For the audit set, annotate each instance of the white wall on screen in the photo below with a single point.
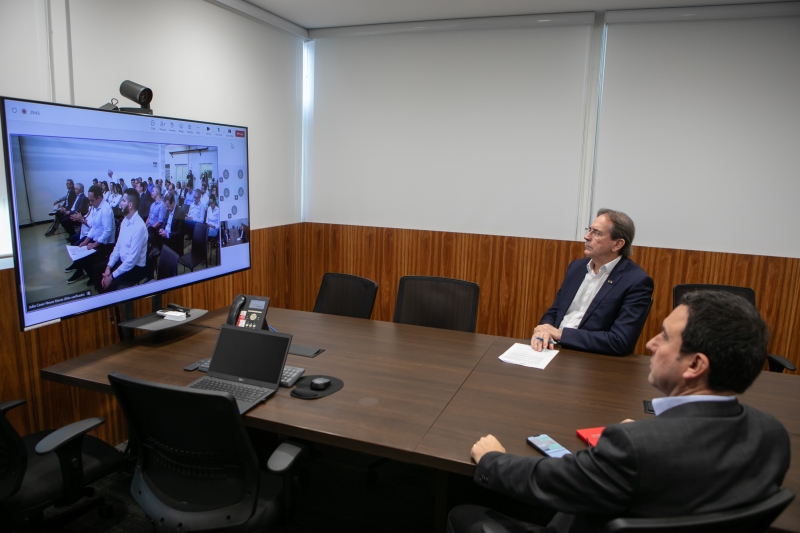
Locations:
(699, 130)
(468, 131)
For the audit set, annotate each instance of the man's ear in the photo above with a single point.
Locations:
(698, 367)
(618, 245)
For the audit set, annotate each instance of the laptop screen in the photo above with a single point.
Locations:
(250, 354)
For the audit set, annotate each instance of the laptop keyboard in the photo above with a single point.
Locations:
(243, 393)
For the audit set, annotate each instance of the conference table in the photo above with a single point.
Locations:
(424, 395)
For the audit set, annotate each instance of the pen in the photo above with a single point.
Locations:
(551, 341)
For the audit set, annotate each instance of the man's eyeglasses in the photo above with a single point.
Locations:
(596, 234)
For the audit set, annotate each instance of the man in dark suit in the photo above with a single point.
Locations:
(704, 452)
(79, 207)
(61, 211)
(145, 200)
(604, 299)
(172, 232)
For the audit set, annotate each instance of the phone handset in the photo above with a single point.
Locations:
(236, 308)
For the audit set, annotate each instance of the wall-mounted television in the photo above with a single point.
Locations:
(53, 155)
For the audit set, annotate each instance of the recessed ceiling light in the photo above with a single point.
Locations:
(544, 20)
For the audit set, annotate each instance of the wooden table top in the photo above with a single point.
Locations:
(424, 395)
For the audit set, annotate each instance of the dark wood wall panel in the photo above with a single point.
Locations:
(518, 277)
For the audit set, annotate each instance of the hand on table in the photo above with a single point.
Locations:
(485, 445)
(542, 335)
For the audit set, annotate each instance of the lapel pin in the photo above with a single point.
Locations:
(611, 281)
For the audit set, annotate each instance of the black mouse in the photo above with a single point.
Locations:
(320, 383)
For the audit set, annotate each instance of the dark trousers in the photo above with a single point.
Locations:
(128, 279)
(472, 518)
(87, 264)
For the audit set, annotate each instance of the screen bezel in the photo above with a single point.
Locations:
(12, 213)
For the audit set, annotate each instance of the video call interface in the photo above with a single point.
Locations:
(72, 174)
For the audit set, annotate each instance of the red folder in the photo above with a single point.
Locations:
(590, 435)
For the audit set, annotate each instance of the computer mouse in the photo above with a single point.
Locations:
(320, 383)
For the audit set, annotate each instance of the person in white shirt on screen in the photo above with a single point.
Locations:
(99, 237)
(126, 266)
(204, 194)
(212, 216)
(197, 212)
(105, 189)
(115, 196)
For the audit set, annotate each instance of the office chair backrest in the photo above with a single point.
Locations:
(167, 263)
(346, 295)
(199, 243)
(13, 455)
(437, 303)
(196, 466)
(753, 518)
(679, 290)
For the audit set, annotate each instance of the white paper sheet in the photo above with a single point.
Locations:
(78, 252)
(523, 354)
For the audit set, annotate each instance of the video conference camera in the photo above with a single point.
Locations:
(136, 92)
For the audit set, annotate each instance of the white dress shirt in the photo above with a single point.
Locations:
(197, 212)
(131, 247)
(588, 290)
(662, 404)
(113, 200)
(101, 224)
(212, 217)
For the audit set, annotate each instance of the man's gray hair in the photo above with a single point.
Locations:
(79, 187)
(621, 228)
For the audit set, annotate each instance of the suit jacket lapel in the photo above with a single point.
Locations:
(607, 287)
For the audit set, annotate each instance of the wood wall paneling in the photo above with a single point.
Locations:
(518, 277)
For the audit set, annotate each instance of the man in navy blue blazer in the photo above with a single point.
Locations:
(604, 299)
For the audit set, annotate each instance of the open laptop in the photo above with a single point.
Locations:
(247, 363)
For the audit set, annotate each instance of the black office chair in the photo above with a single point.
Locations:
(167, 263)
(50, 468)
(199, 252)
(196, 469)
(437, 303)
(749, 519)
(346, 295)
(776, 363)
(644, 320)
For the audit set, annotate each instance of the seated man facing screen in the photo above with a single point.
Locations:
(603, 300)
(126, 266)
(703, 452)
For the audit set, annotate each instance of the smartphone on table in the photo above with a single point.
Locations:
(548, 446)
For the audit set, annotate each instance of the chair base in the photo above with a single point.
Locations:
(37, 523)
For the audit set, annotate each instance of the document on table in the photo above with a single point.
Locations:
(523, 354)
(78, 252)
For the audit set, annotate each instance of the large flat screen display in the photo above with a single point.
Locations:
(79, 241)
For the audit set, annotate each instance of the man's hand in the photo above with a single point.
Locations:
(107, 278)
(77, 217)
(92, 245)
(84, 242)
(162, 232)
(485, 445)
(542, 335)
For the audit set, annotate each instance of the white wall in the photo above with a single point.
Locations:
(24, 65)
(202, 62)
(471, 131)
(699, 133)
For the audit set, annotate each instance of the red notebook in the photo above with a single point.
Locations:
(590, 435)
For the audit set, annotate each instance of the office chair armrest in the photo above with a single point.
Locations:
(7, 406)
(778, 363)
(493, 527)
(60, 437)
(284, 456)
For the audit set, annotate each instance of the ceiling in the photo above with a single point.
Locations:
(311, 14)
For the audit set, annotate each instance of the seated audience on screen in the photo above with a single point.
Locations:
(99, 237)
(105, 189)
(212, 217)
(79, 206)
(150, 186)
(171, 233)
(126, 266)
(122, 185)
(61, 206)
(204, 194)
(703, 452)
(603, 300)
(115, 196)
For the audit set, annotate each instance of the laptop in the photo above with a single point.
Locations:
(248, 363)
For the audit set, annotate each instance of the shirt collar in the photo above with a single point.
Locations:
(663, 404)
(605, 269)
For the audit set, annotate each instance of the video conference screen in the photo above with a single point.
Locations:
(109, 206)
